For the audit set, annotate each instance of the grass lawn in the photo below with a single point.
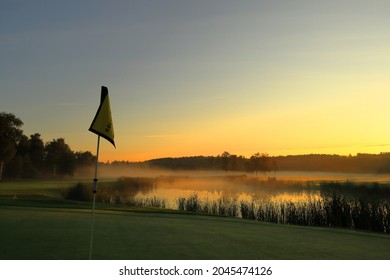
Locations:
(50, 233)
(42, 225)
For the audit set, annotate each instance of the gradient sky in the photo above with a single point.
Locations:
(201, 77)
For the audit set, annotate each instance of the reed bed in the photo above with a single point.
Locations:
(224, 206)
(362, 206)
(347, 205)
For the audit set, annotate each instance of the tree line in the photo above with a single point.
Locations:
(29, 157)
(225, 161)
(360, 163)
(262, 163)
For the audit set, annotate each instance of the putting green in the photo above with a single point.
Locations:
(59, 233)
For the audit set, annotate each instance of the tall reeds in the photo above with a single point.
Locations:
(348, 205)
(224, 206)
(363, 206)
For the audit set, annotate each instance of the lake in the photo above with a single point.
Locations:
(357, 201)
(274, 186)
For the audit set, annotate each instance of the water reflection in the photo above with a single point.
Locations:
(239, 188)
(311, 202)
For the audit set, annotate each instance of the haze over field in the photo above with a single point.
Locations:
(201, 77)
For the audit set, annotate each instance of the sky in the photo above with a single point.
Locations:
(201, 77)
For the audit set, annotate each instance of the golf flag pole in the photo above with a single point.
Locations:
(95, 183)
(102, 125)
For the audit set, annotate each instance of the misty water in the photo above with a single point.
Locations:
(272, 186)
(357, 201)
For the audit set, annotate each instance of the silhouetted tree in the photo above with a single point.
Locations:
(84, 163)
(225, 161)
(10, 135)
(59, 157)
(20, 161)
(84, 159)
(259, 163)
(37, 151)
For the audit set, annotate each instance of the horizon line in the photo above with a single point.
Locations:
(231, 154)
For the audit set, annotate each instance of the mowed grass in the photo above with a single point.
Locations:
(39, 224)
(49, 233)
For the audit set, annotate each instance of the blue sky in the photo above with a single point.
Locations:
(201, 77)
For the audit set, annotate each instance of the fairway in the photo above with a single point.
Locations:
(60, 233)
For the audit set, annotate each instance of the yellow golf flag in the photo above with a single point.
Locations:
(102, 123)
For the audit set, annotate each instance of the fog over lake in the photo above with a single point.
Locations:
(212, 185)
